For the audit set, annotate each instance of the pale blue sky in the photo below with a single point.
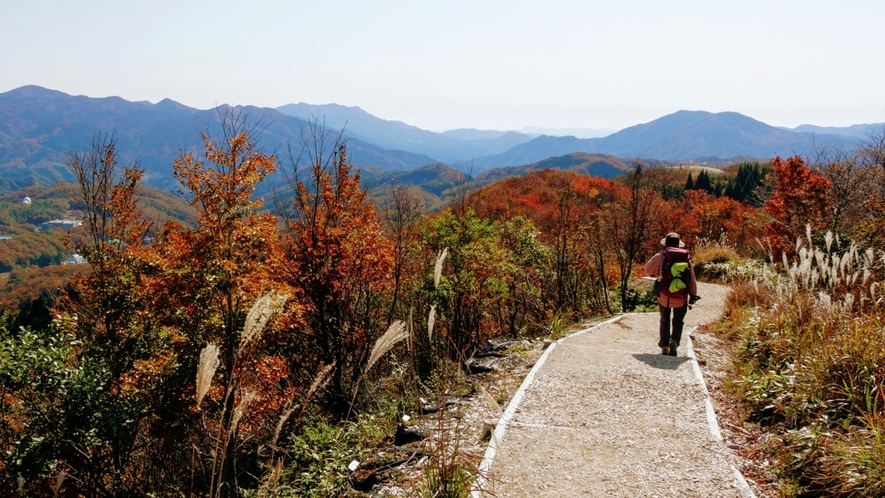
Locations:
(479, 64)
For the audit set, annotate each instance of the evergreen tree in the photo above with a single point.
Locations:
(748, 177)
(731, 190)
(689, 184)
(703, 181)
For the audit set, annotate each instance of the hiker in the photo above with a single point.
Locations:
(677, 289)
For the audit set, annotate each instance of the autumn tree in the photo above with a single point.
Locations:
(565, 208)
(872, 149)
(628, 226)
(107, 301)
(849, 189)
(855, 197)
(400, 215)
(700, 216)
(204, 281)
(87, 402)
(476, 275)
(334, 250)
(799, 198)
(871, 155)
(525, 306)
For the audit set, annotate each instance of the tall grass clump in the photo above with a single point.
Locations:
(720, 262)
(811, 364)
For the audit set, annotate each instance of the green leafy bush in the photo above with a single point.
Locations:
(320, 456)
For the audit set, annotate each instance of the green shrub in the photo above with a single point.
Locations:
(320, 455)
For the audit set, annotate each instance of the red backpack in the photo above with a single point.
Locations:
(671, 270)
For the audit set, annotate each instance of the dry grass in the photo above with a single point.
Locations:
(812, 366)
(720, 262)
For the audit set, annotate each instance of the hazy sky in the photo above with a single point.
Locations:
(472, 64)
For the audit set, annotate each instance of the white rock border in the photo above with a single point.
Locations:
(744, 486)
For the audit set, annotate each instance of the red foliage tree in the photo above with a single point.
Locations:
(102, 312)
(203, 282)
(565, 208)
(702, 216)
(336, 252)
(799, 198)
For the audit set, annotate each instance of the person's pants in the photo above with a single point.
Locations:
(678, 321)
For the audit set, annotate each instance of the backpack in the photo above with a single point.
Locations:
(673, 280)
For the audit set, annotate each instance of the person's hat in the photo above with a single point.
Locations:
(672, 236)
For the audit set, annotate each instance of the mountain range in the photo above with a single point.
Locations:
(683, 135)
(396, 135)
(38, 127)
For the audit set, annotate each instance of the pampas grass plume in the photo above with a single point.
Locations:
(437, 269)
(395, 333)
(260, 314)
(321, 380)
(206, 370)
(241, 409)
(431, 319)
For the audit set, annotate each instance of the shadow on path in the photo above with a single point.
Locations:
(661, 361)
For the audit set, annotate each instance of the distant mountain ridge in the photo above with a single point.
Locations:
(566, 132)
(537, 149)
(396, 135)
(692, 134)
(862, 131)
(683, 135)
(38, 127)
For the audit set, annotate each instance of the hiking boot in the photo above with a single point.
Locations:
(672, 348)
(665, 350)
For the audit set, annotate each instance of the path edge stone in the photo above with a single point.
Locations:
(712, 420)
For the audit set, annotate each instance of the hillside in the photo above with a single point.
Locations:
(432, 183)
(31, 259)
(157, 205)
(582, 163)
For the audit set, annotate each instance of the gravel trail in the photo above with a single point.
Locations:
(603, 413)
